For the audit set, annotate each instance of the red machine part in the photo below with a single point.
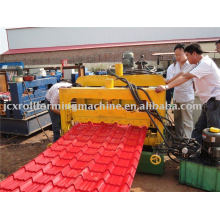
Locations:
(5, 96)
(90, 157)
(28, 78)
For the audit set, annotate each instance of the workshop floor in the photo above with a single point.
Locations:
(17, 151)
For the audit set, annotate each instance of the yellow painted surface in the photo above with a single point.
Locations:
(155, 159)
(119, 69)
(91, 95)
(214, 130)
(109, 83)
(145, 80)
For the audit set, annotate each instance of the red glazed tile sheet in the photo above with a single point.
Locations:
(90, 157)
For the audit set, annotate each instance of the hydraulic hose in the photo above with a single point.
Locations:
(179, 143)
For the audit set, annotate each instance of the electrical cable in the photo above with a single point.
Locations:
(177, 143)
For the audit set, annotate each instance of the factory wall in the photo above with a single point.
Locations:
(98, 55)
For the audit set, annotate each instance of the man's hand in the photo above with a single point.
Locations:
(175, 81)
(160, 88)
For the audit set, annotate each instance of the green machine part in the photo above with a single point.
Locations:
(146, 167)
(200, 176)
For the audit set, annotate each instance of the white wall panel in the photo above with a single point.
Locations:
(3, 41)
(49, 37)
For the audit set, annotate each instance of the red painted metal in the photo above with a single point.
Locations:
(106, 45)
(90, 157)
(28, 78)
(5, 96)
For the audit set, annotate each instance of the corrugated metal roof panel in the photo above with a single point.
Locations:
(91, 166)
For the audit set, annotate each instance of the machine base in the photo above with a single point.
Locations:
(199, 175)
(24, 127)
(146, 167)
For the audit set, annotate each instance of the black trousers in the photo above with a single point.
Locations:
(56, 123)
(169, 95)
(210, 117)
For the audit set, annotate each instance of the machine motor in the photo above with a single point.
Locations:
(128, 60)
(211, 145)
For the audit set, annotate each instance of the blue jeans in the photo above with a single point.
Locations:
(210, 117)
(56, 123)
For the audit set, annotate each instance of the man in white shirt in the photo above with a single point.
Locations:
(170, 71)
(183, 95)
(52, 98)
(170, 74)
(206, 76)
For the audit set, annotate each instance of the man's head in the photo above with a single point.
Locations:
(218, 46)
(179, 53)
(193, 53)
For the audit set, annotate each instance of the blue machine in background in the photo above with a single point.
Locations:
(57, 75)
(11, 65)
(35, 93)
(28, 97)
(25, 112)
(75, 76)
(101, 73)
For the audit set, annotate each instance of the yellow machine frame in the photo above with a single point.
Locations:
(151, 80)
(107, 96)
